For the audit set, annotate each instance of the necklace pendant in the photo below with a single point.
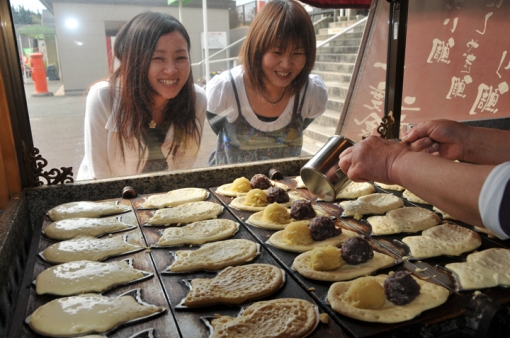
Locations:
(152, 124)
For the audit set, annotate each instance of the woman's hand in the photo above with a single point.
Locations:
(443, 138)
(372, 159)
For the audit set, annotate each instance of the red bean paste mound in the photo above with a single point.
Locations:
(322, 228)
(356, 250)
(401, 288)
(260, 181)
(278, 195)
(302, 209)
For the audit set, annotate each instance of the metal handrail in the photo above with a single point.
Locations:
(341, 33)
(244, 38)
(220, 51)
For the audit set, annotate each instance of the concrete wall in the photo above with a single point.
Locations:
(82, 51)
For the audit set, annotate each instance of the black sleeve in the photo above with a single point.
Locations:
(215, 121)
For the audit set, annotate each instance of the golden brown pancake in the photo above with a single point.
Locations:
(199, 232)
(431, 296)
(282, 317)
(376, 203)
(483, 269)
(215, 256)
(444, 239)
(302, 264)
(186, 213)
(235, 285)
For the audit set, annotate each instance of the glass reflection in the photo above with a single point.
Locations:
(79, 54)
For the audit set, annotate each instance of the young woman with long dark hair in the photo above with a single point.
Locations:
(149, 115)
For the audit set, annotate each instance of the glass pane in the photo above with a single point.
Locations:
(72, 44)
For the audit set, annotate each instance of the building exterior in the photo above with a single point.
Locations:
(84, 29)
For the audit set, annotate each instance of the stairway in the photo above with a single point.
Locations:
(334, 64)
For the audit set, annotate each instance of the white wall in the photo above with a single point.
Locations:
(82, 51)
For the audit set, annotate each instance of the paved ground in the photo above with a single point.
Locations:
(57, 128)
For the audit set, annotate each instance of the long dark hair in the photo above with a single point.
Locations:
(131, 93)
(282, 23)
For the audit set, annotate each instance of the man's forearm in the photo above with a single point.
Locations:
(451, 186)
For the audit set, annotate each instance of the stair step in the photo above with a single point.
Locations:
(342, 58)
(337, 89)
(319, 134)
(329, 118)
(338, 50)
(346, 24)
(328, 32)
(310, 146)
(334, 63)
(335, 103)
(338, 41)
(334, 67)
(343, 78)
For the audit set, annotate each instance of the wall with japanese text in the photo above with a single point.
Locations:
(457, 65)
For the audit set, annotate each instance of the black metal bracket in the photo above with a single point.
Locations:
(35, 163)
(397, 31)
(483, 310)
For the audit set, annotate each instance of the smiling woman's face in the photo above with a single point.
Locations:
(281, 67)
(169, 68)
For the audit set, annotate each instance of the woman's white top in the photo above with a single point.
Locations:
(221, 100)
(103, 156)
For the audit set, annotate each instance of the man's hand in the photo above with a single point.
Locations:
(371, 159)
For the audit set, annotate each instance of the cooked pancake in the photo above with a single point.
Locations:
(377, 203)
(407, 219)
(235, 285)
(431, 296)
(278, 240)
(484, 269)
(70, 228)
(277, 223)
(299, 182)
(175, 197)
(484, 231)
(443, 214)
(444, 239)
(302, 264)
(226, 189)
(199, 232)
(88, 248)
(395, 187)
(413, 198)
(243, 203)
(186, 213)
(355, 190)
(215, 256)
(85, 276)
(283, 317)
(85, 209)
(87, 313)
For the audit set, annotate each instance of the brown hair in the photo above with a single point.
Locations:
(131, 93)
(282, 23)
